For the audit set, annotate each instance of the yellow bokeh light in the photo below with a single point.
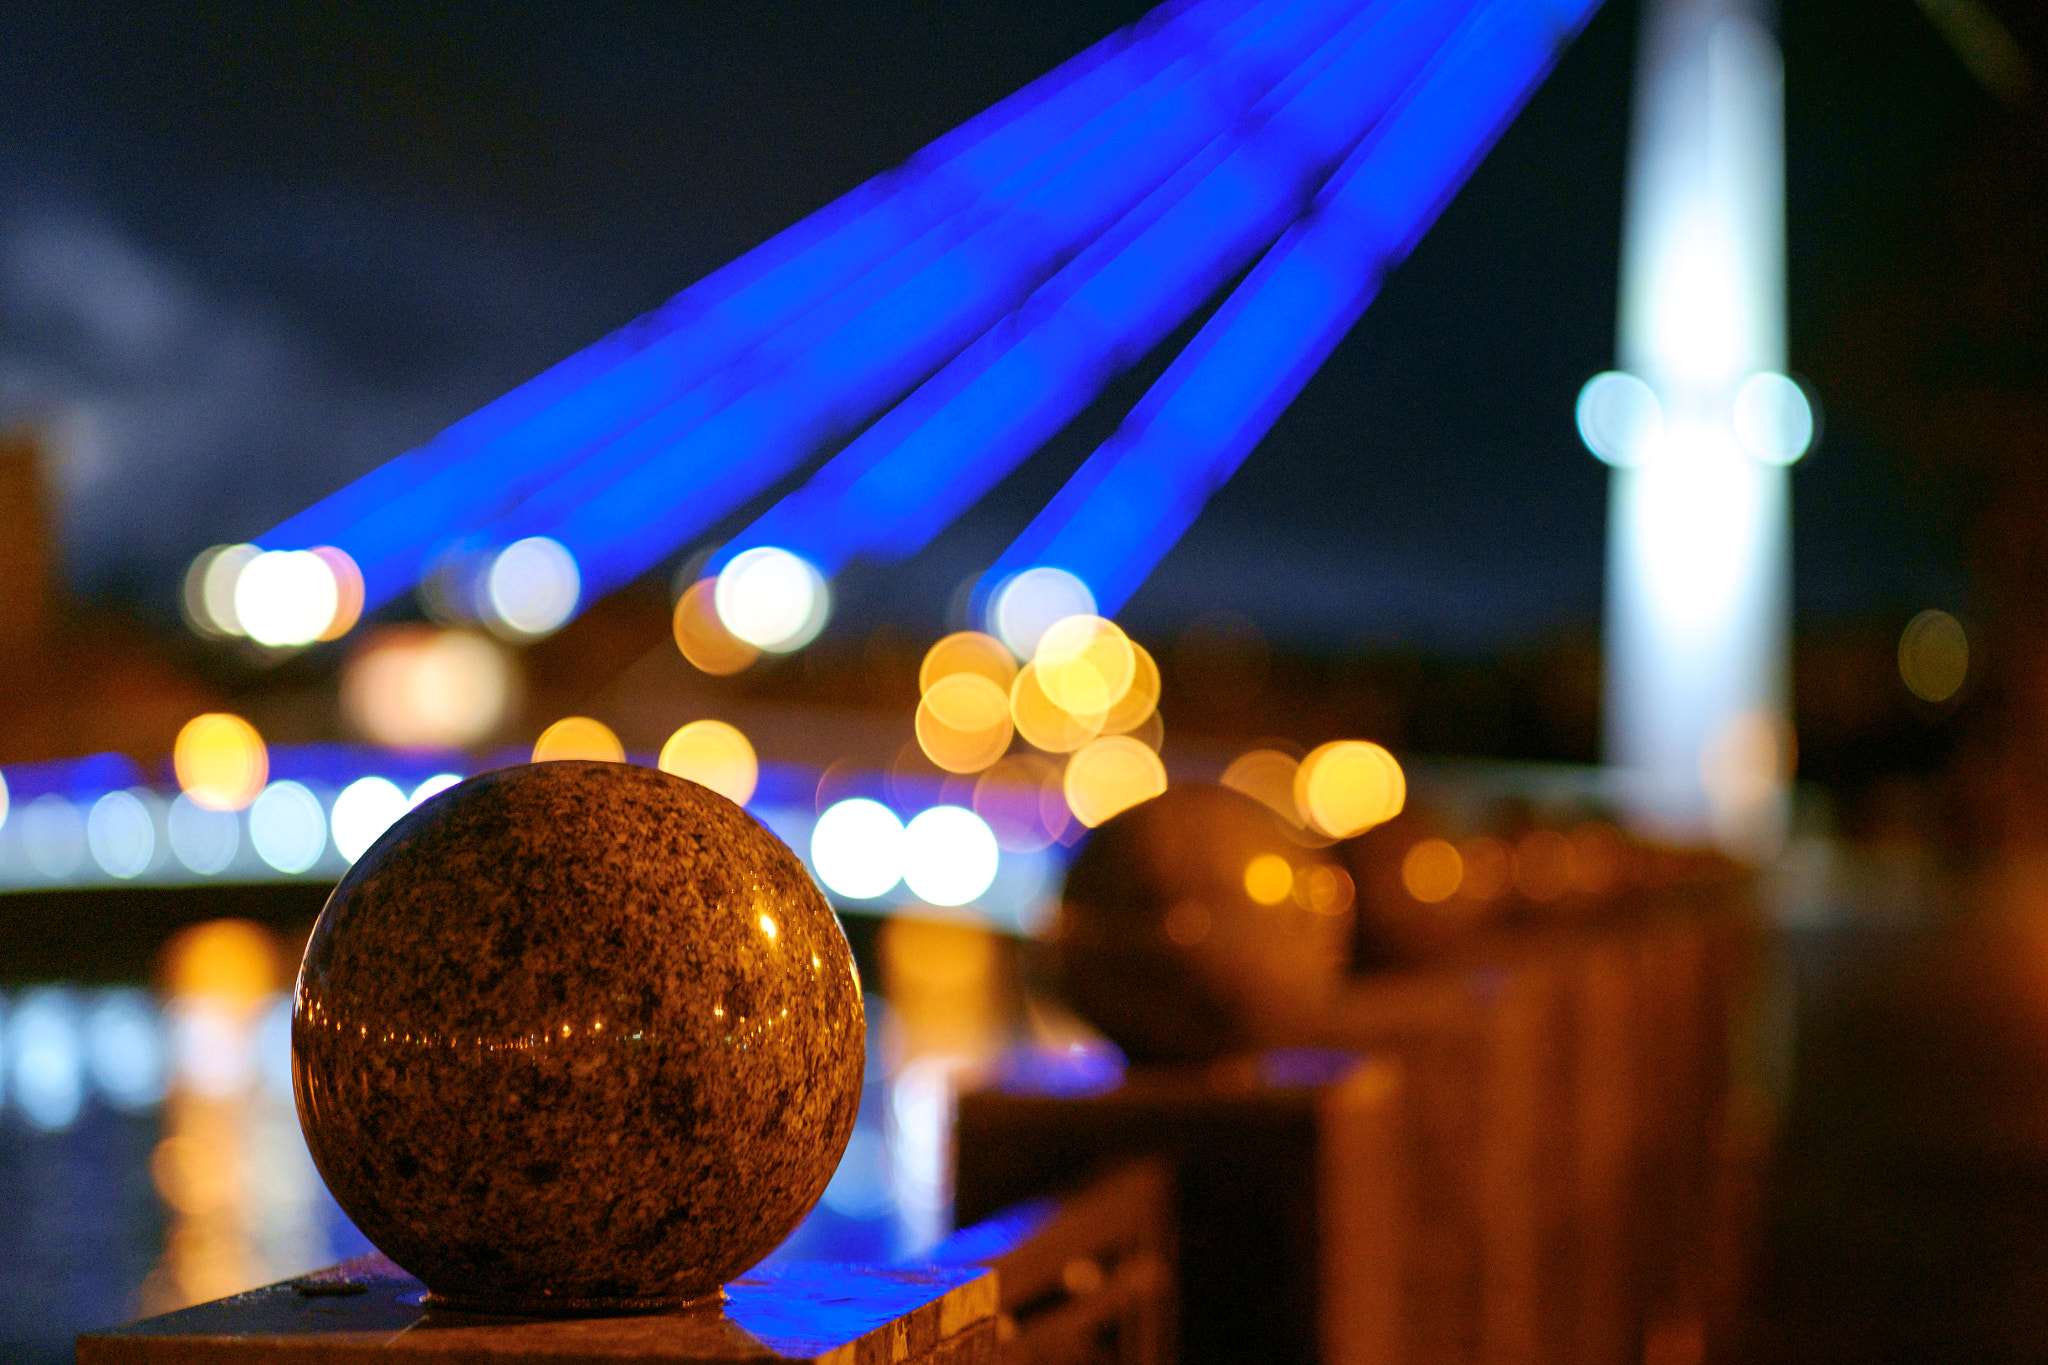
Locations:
(703, 638)
(963, 723)
(1599, 858)
(1085, 665)
(1266, 776)
(715, 755)
(1111, 775)
(1268, 879)
(1043, 722)
(1934, 656)
(221, 761)
(232, 960)
(1140, 701)
(1349, 785)
(1487, 868)
(968, 651)
(578, 737)
(1432, 870)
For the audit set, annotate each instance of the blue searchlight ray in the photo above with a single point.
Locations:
(670, 478)
(893, 489)
(1135, 496)
(1205, 88)
(719, 316)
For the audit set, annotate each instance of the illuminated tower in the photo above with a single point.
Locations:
(1700, 424)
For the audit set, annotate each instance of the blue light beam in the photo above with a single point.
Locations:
(675, 474)
(1134, 497)
(911, 475)
(480, 466)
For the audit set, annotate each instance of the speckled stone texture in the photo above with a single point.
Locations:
(577, 1037)
(1160, 945)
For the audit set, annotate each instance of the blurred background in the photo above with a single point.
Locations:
(250, 252)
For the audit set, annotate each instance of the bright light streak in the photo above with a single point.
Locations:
(677, 473)
(1934, 656)
(287, 827)
(1349, 785)
(857, 849)
(220, 760)
(203, 838)
(1028, 603)
(1698, 541)
(1138, 492)
(286, 597)
(3, 801)
(1773, 420)
(772, 599)
(364, 810)
(949, 855)
(532, 588)
(53, 836)
(900, 483)
(1620, 419)
(870, 237)
(44, 1053)
(578, 737)
(432, 787)
(121, 832)
(715, 755)
(124, 1049)
(1109, 776)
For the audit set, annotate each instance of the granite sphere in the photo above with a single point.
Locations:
(1199, 924)
(577, 1037)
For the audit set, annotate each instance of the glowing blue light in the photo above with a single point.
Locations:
(44, 1055)
(670, 478)
(124, 1049)
(121, 832)
(203, 839)
(53, 836)
(288, 828)
(1135, 496)
(389, 519)
(910, 476)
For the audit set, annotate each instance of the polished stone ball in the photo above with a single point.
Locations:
(1199, 924)
(577, 1037)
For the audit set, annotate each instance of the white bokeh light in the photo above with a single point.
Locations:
(287, 827)
(215, 599)
(364, 810)
(286, 597)
(211, 1050)
(1773, 420)
(1619, 418)
(121, 832)
(53, 835)
(857, 848)
(124, 1049)
(949, 855)
(1028, 603)
(772, 599)
(203, 839)
(532, 587)
(45, 1060)
(432, 787)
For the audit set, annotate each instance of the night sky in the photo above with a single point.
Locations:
(248, 251)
